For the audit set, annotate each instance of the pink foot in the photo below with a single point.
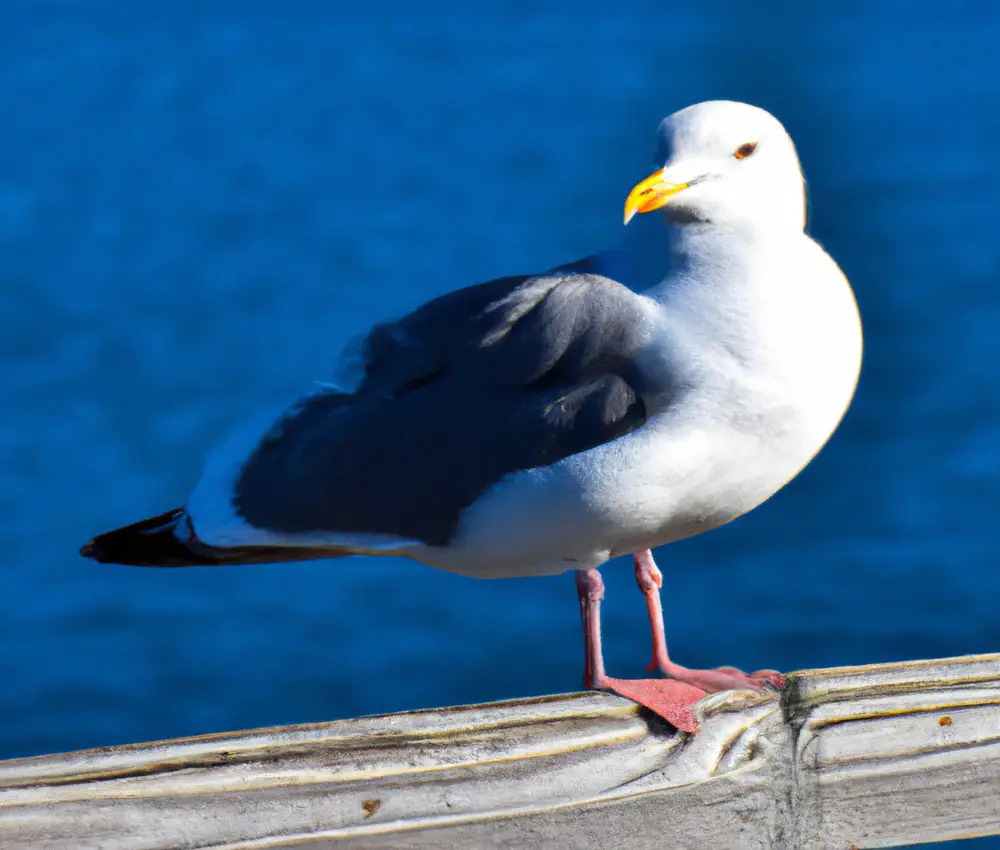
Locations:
(667, 698)
(724, 678)
(771, 677)
(650, 580)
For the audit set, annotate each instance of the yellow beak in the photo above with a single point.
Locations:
(651, 194)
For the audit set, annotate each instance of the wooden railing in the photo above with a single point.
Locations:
(876, 756)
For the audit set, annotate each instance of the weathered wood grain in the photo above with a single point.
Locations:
(872, 756)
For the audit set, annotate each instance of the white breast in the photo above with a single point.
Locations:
(766, 369)
(771, 355)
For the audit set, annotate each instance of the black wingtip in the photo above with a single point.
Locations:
(149, 543)
(154, 543)
(91, 549)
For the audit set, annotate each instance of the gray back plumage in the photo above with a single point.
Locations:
(508, 375)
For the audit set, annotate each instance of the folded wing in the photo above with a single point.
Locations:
(509, 375)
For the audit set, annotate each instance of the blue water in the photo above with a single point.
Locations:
(199, 201)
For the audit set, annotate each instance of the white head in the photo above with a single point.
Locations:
(727, 163)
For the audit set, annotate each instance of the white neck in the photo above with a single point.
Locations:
(655, 253)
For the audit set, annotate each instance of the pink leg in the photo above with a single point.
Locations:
(591, 593)
(650, 580)
(668, 698)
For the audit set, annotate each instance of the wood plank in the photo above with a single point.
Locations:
(873, 756)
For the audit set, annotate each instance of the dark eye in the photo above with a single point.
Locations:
(744, 150)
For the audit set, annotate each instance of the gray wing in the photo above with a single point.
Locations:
(509, 375)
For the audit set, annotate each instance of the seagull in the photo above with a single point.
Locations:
(544, 423)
